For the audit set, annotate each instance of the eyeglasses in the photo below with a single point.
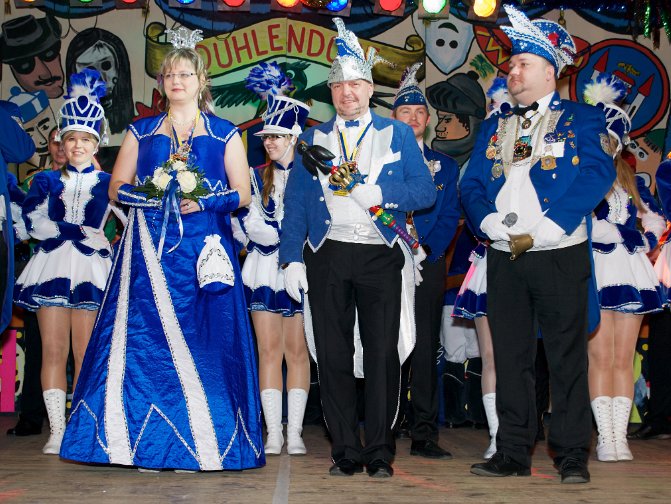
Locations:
(272, 137)
(180, 75)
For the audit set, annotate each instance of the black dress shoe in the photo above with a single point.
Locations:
(346, 467)
(573, 470)
(500, 465)
(379, 468)
(649, 431)
(25, 428)
(429, 449)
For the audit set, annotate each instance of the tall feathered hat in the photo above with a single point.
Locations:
(351, 63)
(541, 37)
(500, 99)
(284, 115)
(607, 91)
(409, 92)
(82, 110)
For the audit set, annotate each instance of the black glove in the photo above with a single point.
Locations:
(315, 157)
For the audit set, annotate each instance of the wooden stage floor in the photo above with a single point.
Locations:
(28, 476)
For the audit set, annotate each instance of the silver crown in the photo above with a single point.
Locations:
(184, 38)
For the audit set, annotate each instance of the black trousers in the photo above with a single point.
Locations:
(550, 287)
(32, 403)
(659, 369)
(347, 279)
(423, 374)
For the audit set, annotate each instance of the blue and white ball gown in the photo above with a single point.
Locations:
(626, 280)
(261, 274)
(68, 269)
(471, 301)
(169, 379)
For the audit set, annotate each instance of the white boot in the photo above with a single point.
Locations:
(489, 401)
(603, 415)
(54, 400)
(621, 411)
(296, 399)
(271, 400)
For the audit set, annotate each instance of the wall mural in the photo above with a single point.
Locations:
(461, 60)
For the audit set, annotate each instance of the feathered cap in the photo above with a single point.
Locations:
(284, 115)
(409, 92)
(500, 99)
(607, 91)
(82, 110)
(541, 37)
(351, 63)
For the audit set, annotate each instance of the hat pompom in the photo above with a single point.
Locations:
(87, 83)
(605, 89)
(268, 78)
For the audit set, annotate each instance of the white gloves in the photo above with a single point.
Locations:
(417, 259)
(367, 195)
(295, 280)
(494, 228)
(548, 233)
(263, 234)
(95, 239)
(605, 232)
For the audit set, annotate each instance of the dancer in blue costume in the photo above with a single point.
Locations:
(277, 318)
(65, 279)
(626, 281)
(170, 377)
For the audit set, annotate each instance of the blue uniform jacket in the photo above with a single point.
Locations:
(403, 177)
(663, 181)
(436, 225)
(568, 192)
(16, 146)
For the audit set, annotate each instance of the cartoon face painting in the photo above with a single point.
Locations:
(32, 47)
(447, 41)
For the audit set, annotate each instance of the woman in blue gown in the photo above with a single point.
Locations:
(169, 380)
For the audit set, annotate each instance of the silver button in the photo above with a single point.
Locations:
(321, 198)
(327, 221)
(390, 172)
(314, 177)
(554, 175)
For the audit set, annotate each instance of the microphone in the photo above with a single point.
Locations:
(510, 219)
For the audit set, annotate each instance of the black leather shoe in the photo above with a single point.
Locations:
(649, 431)
(429, 449)
(25, 428)
(403, 430)
(500, 465)
(346, 467)
(573, 470)
(379, 468)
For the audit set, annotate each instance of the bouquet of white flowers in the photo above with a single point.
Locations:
(177, 168)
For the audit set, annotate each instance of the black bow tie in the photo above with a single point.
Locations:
(521, 111)
(351, 124)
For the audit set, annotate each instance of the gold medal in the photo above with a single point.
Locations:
(490, 153)
(575, 160)
(548, 163)
(497, 170)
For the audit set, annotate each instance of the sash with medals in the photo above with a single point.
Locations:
(350, 158)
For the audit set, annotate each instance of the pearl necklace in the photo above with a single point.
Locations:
(181, 123)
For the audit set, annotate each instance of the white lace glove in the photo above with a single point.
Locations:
(95, 238)
(417, 259)
(548, 233)
(494, 228)
(605, 232)
(295, 280)
(367, 195)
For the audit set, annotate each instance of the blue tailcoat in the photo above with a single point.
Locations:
(396, 162)
(16, 146)
(568, 192)
(436, 225)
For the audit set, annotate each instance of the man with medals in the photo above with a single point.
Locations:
(434, 228)
(543, 172)
(356, 268)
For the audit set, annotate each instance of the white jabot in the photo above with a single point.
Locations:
(349, 222)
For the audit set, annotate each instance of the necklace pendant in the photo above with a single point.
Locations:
(526, 124)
